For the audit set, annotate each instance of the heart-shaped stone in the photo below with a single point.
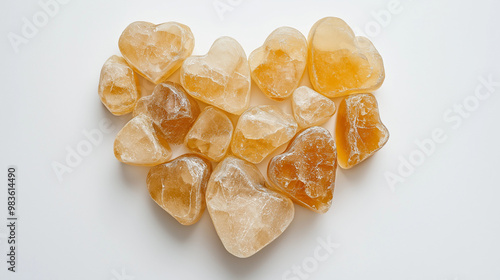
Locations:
(278, 65)
(156, 51)
(178, 187)
(306, 170)
(220, 78)
(311, 108)
(340, 63)
(247, 216)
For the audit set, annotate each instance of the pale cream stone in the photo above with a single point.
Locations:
(311, 108)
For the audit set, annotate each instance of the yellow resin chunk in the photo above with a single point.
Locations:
(260, 130)
(220, 78)
(211, 134)
(179, 187)
(156, 51)
(278, 66)
(118, 86)
(137, 144)
(306, 170)
(247, 216)
(311, 108)
(341, 63)
(359, 132)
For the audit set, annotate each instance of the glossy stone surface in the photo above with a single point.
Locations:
(138, 144)
(156, 51)
(220, 78)
(279, 64)
(341, 63)
(260, 130)
(173, 112)
(118, 88)
(211, 134)
(306, 170)
(247, 216)
(179, 186)
(311, 108)
(359, 131)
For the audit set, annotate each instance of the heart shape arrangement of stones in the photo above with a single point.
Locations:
(248, 211)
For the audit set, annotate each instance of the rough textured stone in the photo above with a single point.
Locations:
(278, 66)
(156, 51)
(118, 88)
(306, 170)
(211, 134)
(341, 63)
(311, 108)
(247, 216)
(220, 78)
(179, 187)
(359, 132)
(260, 130)
(138, 144)
(173, 112)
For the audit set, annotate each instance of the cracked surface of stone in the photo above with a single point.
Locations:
(359, 132)
(179, 186)
(138, 144)
(279, 64)
(247, 216)
(311, 108)
(211, 134)
(260, 130)
(173, 112)
(118, 88)
(306, 170)
(220, 78)
(156, 51)
(341, 63)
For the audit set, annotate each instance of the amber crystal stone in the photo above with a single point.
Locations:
(247, 216)
(179, 186)
(311, 108)
(359, 132)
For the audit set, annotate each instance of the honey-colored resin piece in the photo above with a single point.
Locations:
(247, 216)
(306, 170)
(311, 108)
(156, 51)
(118, 86)
(260, 130)
(138, 144)
(211, 134)
(278, 65)
(359, 132)
(341, 63)
(179, 187)
(220, 78)
(173, 112)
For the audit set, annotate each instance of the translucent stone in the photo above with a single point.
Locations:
(173, 112)
(306, 170)
(179, 187)
(341, 63)
(278, 66)
(260, 130)
(211, 134)
(220, 78)
(118, 86)
(156, 51)
(247, 216)
(359, 132)
(311, 108)
(138, 144)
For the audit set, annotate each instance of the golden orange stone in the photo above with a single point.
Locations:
(156, 51)
(311, 108)
(178, 187)
(341, 63)
(359, 132)
(278, 65)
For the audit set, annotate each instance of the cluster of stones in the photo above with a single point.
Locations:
(247, 211)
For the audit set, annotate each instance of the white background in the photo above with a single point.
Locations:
(442, 222)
